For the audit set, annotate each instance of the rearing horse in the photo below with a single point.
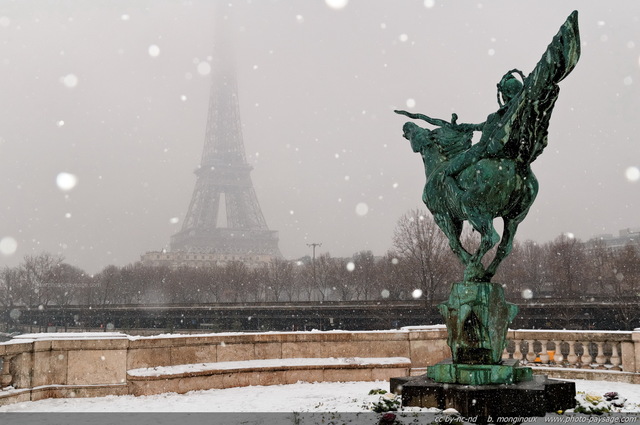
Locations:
(479, 183)
(493, 177)
(485, 189)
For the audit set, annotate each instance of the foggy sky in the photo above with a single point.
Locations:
(116, 93)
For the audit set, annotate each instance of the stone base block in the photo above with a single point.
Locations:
(509, 372)
(190, 377)
(16, 396)
(488, 402)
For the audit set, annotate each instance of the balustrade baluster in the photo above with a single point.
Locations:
(615, 359)
(601, 359)
(558, 358)
(531, 355)
(544, 355)
(572, 358)
(505, 354)
(517, 353)
(585, 358)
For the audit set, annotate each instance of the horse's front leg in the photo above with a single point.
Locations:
(506, 244)
(513, 220)
(475, 271)
(453, 229)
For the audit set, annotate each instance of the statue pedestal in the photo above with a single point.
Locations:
(477, 318)
(535, 397)
(476, 381)
(508, 372)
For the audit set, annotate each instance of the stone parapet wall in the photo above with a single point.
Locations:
(59, 364)
(94, 364)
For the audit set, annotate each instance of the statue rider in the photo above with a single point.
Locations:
(454, 139)
(509, 88)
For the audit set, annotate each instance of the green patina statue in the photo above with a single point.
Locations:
(483, 181)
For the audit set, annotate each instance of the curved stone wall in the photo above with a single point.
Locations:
(41, 366)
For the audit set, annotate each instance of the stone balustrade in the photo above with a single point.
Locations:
(606, 355)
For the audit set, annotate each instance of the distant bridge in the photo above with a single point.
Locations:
(606, 314)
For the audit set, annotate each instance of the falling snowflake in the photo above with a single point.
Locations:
(70, 80)
(362, 209)
(154, 51)
(632, 174)
(204, 68)
(337, 4)
(8, 245)
(66, 181)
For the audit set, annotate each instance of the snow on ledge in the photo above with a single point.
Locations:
(312, 332)
(575, 331)
(71, 335)
(26, 338)
(268, 363)
(31, 337)
(423, 328)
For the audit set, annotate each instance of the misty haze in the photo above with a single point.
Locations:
(105, 112)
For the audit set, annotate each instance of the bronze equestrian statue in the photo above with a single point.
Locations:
(487, 180)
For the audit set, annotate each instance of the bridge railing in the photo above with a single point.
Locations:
(601, 351)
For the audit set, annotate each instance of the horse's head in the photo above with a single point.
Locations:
(423, 141)
(439, 142)
(419, 137)
(409, 129)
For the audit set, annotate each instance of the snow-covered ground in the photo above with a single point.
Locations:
(300, 397)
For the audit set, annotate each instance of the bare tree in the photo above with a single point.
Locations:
(568, 265)
(9, 286)
(108, 286)
(524, 268)
(235, 280)
(533, 260)
(390, 282)
(212, 284)
(177, 285)
(345, 285)
(293, 291)
(198, 281)
(603, 260)
(255, 286)
(364, 273)
(34, 275)
(279, 277)
(324, 275)
(65, 284)
(627, 269)
(424, 248)
(305, 277)
(624, 276)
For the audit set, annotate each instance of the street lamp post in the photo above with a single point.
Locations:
(313, 259)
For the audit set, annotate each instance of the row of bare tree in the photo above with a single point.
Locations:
(420, 266)
(47, 280)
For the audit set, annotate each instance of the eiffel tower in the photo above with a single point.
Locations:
(224, 217)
